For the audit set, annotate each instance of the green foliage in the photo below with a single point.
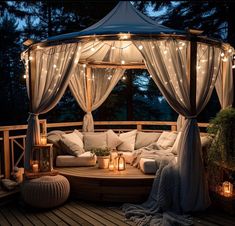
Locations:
(101, 151)
(222, 128)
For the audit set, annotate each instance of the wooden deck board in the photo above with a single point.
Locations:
(76, 212)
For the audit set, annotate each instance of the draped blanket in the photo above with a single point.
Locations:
(163, 204)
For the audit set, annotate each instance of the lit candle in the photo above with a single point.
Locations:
(121, 166)
(43, 140)
(35, 168)
(111, 166)
(227, 188)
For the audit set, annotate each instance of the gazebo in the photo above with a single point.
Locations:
(185, 65)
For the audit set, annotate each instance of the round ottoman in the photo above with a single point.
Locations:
(45, 191)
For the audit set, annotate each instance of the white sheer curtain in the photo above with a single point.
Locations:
(224, 83)
(167, 61)
(50, 70)
(103, 80)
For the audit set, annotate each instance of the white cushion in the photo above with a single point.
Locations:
(71, 147)
(167, 139)
(79, 134)
(74, 137)
(175, 146)
(144, 139)
(95, 140)
(128, 140)
(113, 139)
(85, 159)
(148, 166)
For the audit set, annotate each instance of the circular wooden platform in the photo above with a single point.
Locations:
(93, 184)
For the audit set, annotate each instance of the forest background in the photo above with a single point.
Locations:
(136, 97)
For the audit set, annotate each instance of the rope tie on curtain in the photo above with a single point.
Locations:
(31, 114)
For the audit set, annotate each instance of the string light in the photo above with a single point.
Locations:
(24, 76)
(124, 77)
(140, 47)
(54, 65)
(222, 54)
(84, 65)
(122, 61)
(92, 49)
(30, 58)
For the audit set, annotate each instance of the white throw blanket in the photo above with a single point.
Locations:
(163, 206)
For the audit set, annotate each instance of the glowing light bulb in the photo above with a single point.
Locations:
(54, 65)
(30, 58)
(222, 54)
(150, 76)
(92, 49)
(113, 47)
(165, 51)
(84, 65)
(230, 50)
(122, 61)
(140, 47)
(233, 67)
(225, 59)
(24, 76)
(124, 78)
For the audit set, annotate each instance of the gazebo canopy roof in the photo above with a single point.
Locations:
(124, 18)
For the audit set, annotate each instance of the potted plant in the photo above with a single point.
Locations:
(103, 156)
(221, 153)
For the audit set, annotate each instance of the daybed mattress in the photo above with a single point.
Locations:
(86, 159)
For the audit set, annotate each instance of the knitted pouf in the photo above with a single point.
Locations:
(46, 191)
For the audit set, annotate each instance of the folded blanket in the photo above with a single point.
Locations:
(153, 151)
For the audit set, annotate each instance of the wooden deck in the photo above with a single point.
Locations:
(93, 184)
(80, 213)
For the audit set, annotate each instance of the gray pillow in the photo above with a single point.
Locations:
(54, 137)
(144, 139)
(70, 147)
(95, 140)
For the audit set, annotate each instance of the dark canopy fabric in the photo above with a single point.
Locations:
(124, 18)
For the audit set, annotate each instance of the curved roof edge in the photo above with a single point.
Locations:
(124, 18)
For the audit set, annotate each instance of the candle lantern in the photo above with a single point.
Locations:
(227, 188)
(120, 162)
(43, 140)
(35, 167)
(43, 154)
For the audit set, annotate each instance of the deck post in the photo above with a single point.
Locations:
(6, 148)
(173, 128)
(139, 127)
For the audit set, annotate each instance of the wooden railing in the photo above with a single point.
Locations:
(12, 138)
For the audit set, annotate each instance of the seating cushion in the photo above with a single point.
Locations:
(74, 137)
(148, 166)
(95, 140)
(71, 147)
(144, 139)
(128, 155)
(85, 159)
(167, 139)
(128, 141)
(113, 140)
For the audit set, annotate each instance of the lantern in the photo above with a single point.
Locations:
(43, 140)
(42, 158)
(227, 188)
(120, 162)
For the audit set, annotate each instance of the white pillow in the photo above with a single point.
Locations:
(112, 139)
(175, 146)
(167, 139)
(79, 134)
(128, 140)
(74, 137)
(144, 139)
(95, 140)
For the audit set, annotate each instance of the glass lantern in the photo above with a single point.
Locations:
(120, 162)
(227, 188)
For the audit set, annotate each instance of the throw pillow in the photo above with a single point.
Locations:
(74, 137)
(54, 137)
(167, 139)
(95, 140)
(128, 141)
(71, 147)
(144, 139)
(175, 146)
(112, 139)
